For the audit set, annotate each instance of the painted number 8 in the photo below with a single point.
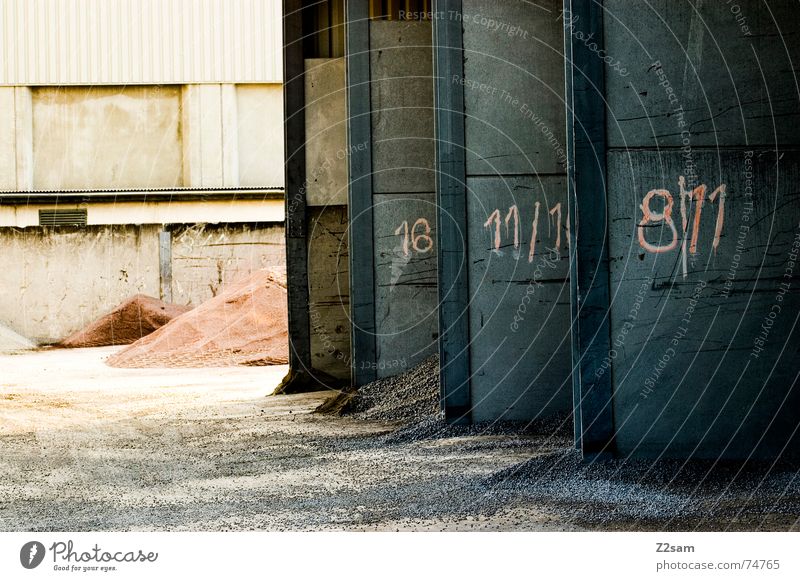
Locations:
(649, 216)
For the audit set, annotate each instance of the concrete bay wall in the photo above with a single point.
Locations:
(518, 230)
(703, 233)
(327, 216)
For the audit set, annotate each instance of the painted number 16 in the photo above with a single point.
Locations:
(420, 243)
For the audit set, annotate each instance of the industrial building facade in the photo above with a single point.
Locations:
(141, 151)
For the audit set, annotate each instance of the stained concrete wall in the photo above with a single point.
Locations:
(197, 136)
(329, 290)
(108, 137)
(401, 66)
(56, 281)
(260, 133)
(517, 239)
(326, 178)
(210, 136)
(326, 132)
(16, 138)
(206, 257)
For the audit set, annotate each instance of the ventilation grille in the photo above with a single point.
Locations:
(62, 217)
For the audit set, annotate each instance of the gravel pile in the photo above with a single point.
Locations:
(411, 402)
(134, 318)
(11, 341)
(245, 324)
(433, 427)
(407, 397)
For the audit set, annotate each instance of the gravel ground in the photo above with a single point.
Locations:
(663, 494)
(87, 447)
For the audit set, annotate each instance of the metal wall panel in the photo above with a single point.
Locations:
(703, 228)
(96, 42)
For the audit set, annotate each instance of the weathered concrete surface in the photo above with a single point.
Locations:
(519, 307)
(106, 137)
(206, 257)
(517, 229)
(16, 138)
(260, 134)
(329, 290)
(209, 136)
(401, 63)
(403, 299)
(406, 313)
(705, 359)
(56, 281)
(514, 92)
(704, 336)
(88, 447)
(326, 132)
(725, 69)
(141, 137)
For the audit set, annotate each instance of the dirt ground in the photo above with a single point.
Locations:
(89, 447)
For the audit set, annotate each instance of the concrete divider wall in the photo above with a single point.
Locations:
(326, 197)
(698, 356)
(329, 290)
(404, 206)
(515, 213)
(392, 194)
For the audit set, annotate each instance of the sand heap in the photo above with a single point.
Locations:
(11, 341)
(246, 324)
(135, 318)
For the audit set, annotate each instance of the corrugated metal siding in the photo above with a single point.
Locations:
(93, 42)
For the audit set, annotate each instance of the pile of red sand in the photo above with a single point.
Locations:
(135, 318)
(246, 324)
